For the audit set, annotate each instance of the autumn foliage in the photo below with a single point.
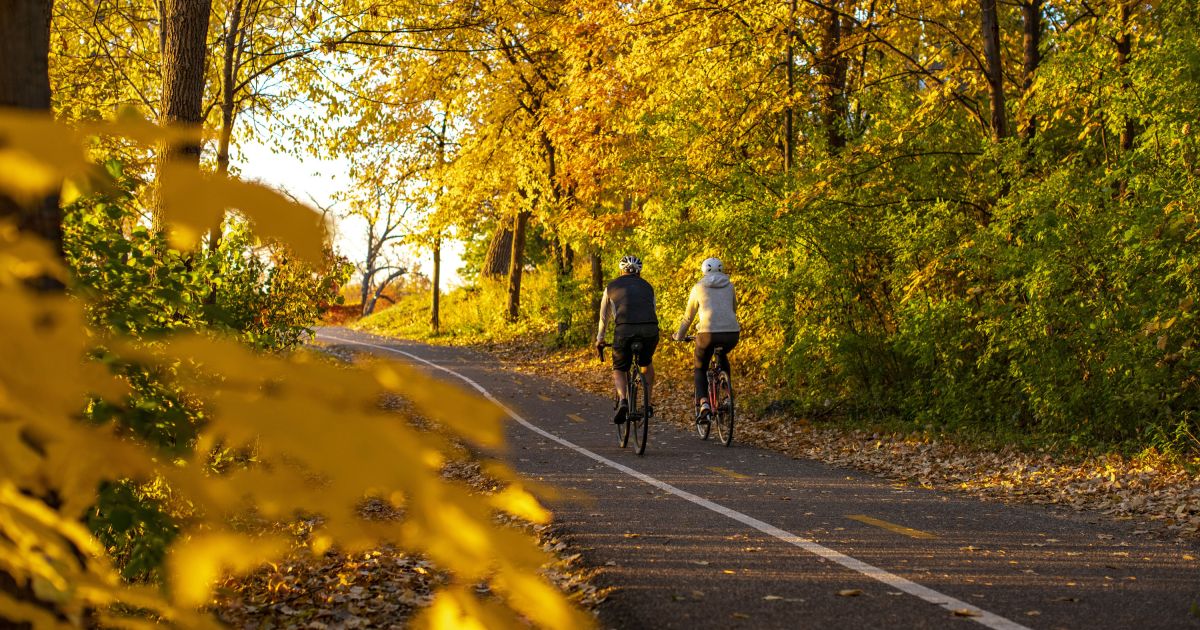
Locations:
(320, 443)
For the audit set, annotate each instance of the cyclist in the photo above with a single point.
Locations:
(629, 302)
(713, 301)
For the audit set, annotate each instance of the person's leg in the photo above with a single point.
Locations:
(622, 358)
(648, 377)
(729, 341)
(621, 383)
(649, 345)
(703, 354)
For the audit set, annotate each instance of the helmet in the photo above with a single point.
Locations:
(630, 264)
(712, 264)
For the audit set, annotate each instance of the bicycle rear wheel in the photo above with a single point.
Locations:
(638, 410)
(724, 411)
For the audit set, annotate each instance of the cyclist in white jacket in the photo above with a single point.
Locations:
(712, 304)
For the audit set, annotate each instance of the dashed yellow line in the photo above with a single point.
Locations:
(574, 417)
(728, 473)
(891, 527)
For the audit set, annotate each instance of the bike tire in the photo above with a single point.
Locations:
(638, 411)
(724, 412)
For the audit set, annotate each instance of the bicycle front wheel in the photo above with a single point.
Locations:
(638, 410)
(724, 410)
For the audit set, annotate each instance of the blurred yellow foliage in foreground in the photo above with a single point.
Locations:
(322, 443)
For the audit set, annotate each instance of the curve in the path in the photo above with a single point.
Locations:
(957, 606)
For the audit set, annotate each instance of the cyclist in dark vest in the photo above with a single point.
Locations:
(629, 302)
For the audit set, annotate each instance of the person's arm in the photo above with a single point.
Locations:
(602, 328)
(689, 314)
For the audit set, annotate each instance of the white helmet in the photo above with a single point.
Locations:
(630, 264)
(712, 264)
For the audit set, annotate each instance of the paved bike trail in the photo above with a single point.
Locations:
(697, 535)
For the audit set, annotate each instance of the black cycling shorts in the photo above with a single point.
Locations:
(623, 337)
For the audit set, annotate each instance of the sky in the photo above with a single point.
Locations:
(312, 179)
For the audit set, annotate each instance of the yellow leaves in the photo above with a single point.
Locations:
(196, 564)
(471, 416)
(533, 597)
(319, 440)
(24, 177)
(37, 153)
(40, 152)
(456, 609)
(195, 201)
(517, 501)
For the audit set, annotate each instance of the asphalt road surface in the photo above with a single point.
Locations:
(697, 535)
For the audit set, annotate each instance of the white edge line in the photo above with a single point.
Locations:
(979, 615)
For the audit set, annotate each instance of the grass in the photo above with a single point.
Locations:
(475, 314)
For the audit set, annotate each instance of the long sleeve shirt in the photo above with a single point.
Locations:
(714, 303)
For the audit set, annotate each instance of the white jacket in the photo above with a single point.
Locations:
(713, 300)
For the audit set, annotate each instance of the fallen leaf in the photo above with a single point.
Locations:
(965, 612)
(850, 592)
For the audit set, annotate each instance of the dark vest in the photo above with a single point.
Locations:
(633, 300)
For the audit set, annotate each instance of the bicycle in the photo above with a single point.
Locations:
(637, 421)
(720, 400)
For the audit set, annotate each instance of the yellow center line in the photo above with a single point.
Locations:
(892, 527)
(728, 473)
(575, 417)
(545, 398)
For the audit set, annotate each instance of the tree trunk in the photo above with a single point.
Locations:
(499, 253)
(1124, 50)
(597, 283)
(563, 263)
(434, 321)
(367, 277)
(516, 264)
(833, 81)
(185, 45)
(789, 132)
(228, 114)
(25, 84)
(1031, 25)
(990, 25)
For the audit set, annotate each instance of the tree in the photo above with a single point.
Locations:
(184, 59)
(385, 211)
(989, 22)
(25, 84)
